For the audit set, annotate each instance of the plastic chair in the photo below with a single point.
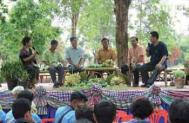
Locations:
(122, 116)
(157, 115)
(48, 120)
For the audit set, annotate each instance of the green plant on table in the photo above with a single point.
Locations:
(179, 74)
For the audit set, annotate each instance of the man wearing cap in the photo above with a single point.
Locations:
(74, 56)
(106, 53)
(136, 59)
(66, 114)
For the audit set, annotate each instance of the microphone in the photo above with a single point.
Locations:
(35, 50)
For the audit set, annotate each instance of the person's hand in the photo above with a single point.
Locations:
(77, 66)
(34, 53)
(158, 66)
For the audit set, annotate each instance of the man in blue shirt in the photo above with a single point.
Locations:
(2, 115)
(66, 114)
(27, 95)
(158, 53)
(74, 56)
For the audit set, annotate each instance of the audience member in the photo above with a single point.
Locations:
(104, 112)
(2, 115)
(66, 114)
(84, 113)
(141, 109)
(179, 111)
(16, 90)
(27, 95)
(21, 110)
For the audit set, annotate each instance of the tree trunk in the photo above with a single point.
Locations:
(121, 12)
(75, 17)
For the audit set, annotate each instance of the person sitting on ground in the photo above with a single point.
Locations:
(84, 115)
(55, 63)
(27, 56)
(66, 114)
(2, 115)
(104, 112)
(158, 53)
(136, 59)
(141, 109)
(179, 111)
(21, 110)
(106, 53)
(75, 56)
(27, 95)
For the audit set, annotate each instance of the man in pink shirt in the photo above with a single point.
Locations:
(136, 59)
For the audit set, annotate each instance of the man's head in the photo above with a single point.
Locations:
(21, 108)
(73, 41)
(154, 37)
(54, 44)
(105, 43)
(78, 99)
(104, 112)
(83, 112)
(141, 108)
(26, 94)
(134, 41)
(179, 111)
(27, 42)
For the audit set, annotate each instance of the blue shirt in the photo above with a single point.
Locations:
(10, 117)
(74, 54)
(2, 116)
(157, 52)
(69, 117)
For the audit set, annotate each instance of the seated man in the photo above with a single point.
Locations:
(26, 95)
(158, 53)
(21, 109)
(141, 109)
(136, 59)
(66, 114)
(105, 53)
(104, 112)
(74, 56)
(27, 56)
(53, 59)
(178, 112)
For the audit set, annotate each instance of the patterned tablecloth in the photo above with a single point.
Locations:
(95, 94)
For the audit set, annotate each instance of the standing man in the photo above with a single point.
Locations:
(74, 56)
(158, 53)
(54, 60)
(105, 53)
(27, 56)
(136, 59)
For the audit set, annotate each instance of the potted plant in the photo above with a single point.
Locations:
(179, 78)
(14, 74)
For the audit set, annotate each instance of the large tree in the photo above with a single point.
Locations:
(28, 18)
(121, 12)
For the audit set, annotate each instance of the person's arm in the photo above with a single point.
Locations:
(81, 61)
(30, 57)
(164, 57)
(148, 54)
(45, 59)
(68, 57)
(98, 57)
(141, 55)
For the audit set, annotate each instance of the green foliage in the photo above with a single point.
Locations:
(13, 71)
(179, 74)
(28, 18)
(97, 21)
(154, 16)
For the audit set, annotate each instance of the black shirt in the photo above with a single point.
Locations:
(24, 54)
(157, 52)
